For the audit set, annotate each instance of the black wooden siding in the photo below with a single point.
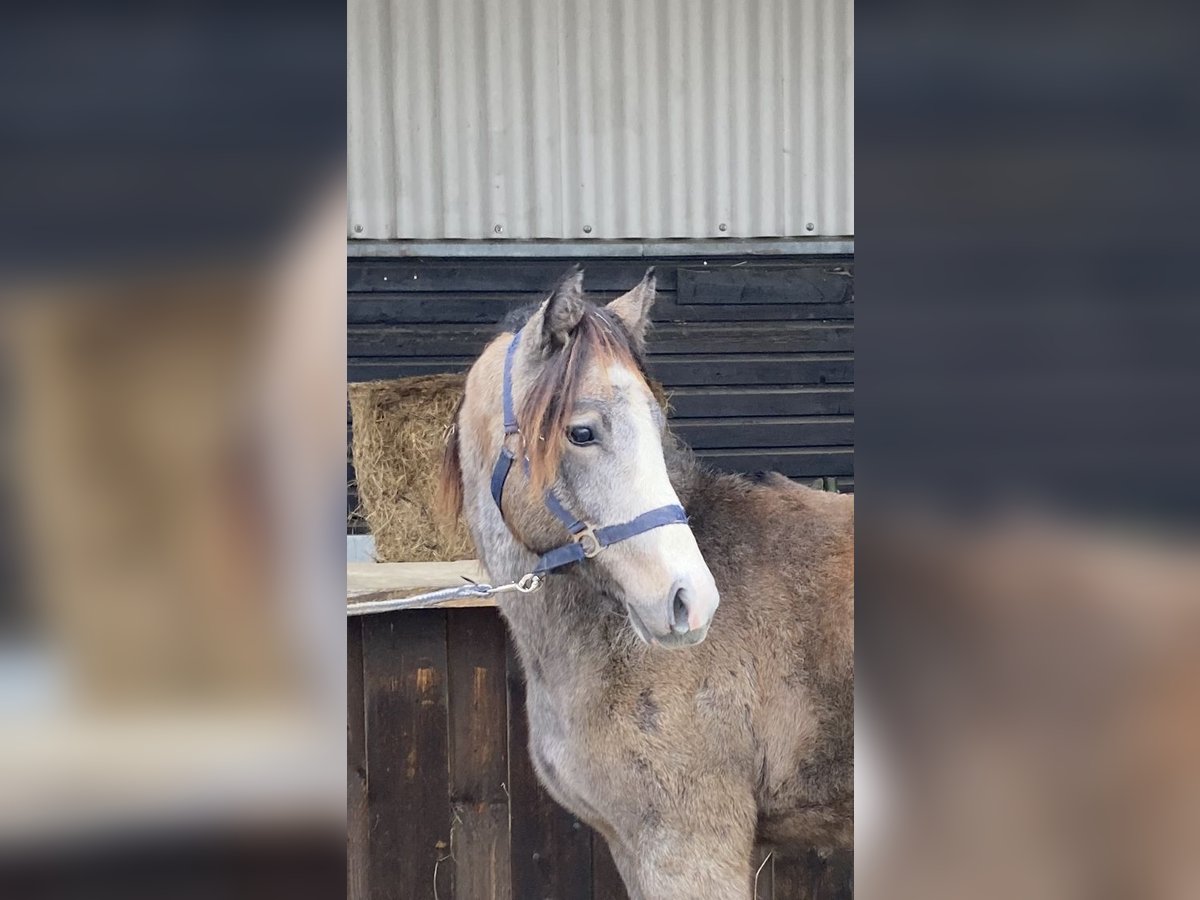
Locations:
(757, 353)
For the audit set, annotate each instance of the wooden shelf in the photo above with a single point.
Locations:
(393, 581)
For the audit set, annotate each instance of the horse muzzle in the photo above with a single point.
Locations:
(682, 618)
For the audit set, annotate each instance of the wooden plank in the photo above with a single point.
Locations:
(790, 461)
(668, 309)
(749, 432)
(376, 368)
(792, 878)
(606, 879)
(541, 274)
(675, 338)
(478, 694)
(841, 875)
(479, 702)
(387, 581)
(417, 340)
(809, 877)
(753, 369)
(408, 790)
(489, 308)
(751, 337)
(675, 370)
(450, 307)
(551, 849)
(521, 275)
(366, 578)
(832, 400)
(745, 285)
(357, 883)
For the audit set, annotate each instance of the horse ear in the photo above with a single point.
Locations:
(561, 313)
(633, 309)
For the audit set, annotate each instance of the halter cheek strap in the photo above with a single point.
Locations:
(586, 541)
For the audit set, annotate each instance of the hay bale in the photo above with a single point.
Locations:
(399, 431)
(399, 427)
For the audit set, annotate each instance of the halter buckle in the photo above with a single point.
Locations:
(588, 541)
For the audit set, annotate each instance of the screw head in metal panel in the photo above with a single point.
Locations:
(722, 227)
(499, 229)
(587, 229)
(809, 227)
(358, 229)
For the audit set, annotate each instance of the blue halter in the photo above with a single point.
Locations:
(586, 541)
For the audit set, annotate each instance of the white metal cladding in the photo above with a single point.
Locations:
(587, 119)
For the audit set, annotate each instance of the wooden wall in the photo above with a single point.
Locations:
(441, 789)
(757, 353)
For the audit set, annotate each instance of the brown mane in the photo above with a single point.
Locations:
(545, 414)
(450, 488)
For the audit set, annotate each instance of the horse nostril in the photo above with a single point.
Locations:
(679, 614)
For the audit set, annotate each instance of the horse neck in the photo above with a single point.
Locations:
(566, 633)
(565, 628)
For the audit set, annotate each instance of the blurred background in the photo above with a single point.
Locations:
(172, 384)
(1028, 451)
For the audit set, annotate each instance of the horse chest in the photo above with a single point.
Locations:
(563, 759)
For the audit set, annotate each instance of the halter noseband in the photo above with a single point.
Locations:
(586, 541)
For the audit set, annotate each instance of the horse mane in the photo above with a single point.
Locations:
(598, 338)
(450, 487)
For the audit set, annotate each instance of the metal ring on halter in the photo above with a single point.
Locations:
(529, 583)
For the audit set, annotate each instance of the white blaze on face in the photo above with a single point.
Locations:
(650, 485)
(655, 566)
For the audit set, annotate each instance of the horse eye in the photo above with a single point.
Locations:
(580, 435)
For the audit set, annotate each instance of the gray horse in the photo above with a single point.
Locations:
(682, 732)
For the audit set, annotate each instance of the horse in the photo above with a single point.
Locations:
(689, 684)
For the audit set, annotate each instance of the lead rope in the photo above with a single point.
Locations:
(526, 584)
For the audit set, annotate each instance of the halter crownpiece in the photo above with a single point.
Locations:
(586, 541)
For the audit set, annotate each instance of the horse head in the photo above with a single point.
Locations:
(558, 447)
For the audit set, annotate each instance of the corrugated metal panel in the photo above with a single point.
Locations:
(651, 119)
